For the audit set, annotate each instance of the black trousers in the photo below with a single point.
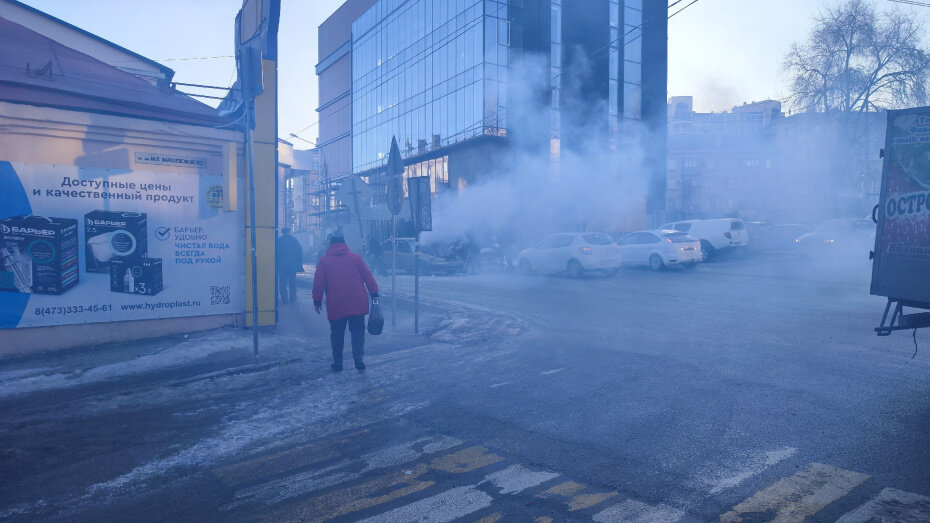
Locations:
(337, 336)
(287, 286)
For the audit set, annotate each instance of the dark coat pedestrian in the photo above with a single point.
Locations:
(346, 282)
(289, 260)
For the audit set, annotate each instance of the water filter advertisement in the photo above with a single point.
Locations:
(85, 245)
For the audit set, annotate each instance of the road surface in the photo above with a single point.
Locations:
(745, 390)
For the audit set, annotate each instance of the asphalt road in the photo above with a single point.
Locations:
(745, 390)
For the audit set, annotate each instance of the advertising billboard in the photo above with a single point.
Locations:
(86, 245)
(902, 241)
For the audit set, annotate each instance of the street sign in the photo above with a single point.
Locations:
(395, 186)
(395, 194)
(421, 212)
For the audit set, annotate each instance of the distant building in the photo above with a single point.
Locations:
(759, 164)
(437, 76)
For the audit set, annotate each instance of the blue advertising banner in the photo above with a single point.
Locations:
(85, 245)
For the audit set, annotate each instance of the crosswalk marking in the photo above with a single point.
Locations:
(493, 518)
(305, 483)
(274, 464)
(747, 467)
(405, 452)
(570, 491)
(465, 460)
(631, 511)
(515, 479)
(891, 505)
(358, 497)
(441, 508)
(796, 497)
(292, 486)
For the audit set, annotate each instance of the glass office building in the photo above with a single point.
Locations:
(434, 74)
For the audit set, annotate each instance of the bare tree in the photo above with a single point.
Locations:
(857, 59)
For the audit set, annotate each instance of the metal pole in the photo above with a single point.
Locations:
(250, 118)
(416, 284)
(358, 212)
(393, 270)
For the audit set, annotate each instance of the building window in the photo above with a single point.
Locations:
(503, 32)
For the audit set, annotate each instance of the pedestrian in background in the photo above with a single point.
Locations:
(289, 260)
(346, 282)
(375, 256)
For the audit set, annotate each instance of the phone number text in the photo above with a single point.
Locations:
(71, 309)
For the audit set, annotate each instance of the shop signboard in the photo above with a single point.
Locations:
(85, 245)
(902, 242)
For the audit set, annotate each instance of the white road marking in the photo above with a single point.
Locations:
(395, 455)
(305, 483)
(498, 385)
(797, 497)
(638, 512)
(891, 505)
(747, 468)
(446, 506)
(444, 443)
(515, 479)
(553, 371)
(291, 486)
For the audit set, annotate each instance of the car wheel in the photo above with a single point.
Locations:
(708, 250)
(610, 273)
(525, 267)
(575, 270)
(656, 263)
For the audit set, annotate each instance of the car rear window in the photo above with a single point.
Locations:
(597, 239)
(679, 237)
(736, 226)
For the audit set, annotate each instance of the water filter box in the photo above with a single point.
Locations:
(113, 234)
(136, 276)
(38, 255)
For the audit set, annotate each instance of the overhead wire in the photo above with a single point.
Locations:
(634, 28)
(910, 2)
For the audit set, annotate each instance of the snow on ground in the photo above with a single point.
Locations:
(24, 381)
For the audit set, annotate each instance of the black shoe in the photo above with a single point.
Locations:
(335, 367)
(359, 365)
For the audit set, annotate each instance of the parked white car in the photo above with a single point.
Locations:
(659, 249)
(575, 252)
(715, 235)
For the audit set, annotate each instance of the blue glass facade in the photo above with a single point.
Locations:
(431, 73)
(632, 59)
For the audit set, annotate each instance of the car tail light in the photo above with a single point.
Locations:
(585, 250)
(728, 235)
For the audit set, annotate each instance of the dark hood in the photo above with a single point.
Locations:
(337, 249)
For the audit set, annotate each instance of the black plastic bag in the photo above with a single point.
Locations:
(375, 319)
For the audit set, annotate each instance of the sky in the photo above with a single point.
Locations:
(722, 52)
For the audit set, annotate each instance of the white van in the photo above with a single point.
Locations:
(715, 235)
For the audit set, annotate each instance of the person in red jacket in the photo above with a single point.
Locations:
(346, 281)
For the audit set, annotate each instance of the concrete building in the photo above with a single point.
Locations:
(446, 79)
(757, 163)
(335, 86)
(122, 199)
(85, 42)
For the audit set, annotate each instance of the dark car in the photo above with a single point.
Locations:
(838, 239)
(775, 238)
(429, 263)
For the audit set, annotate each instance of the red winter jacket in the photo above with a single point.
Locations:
(343, 277)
